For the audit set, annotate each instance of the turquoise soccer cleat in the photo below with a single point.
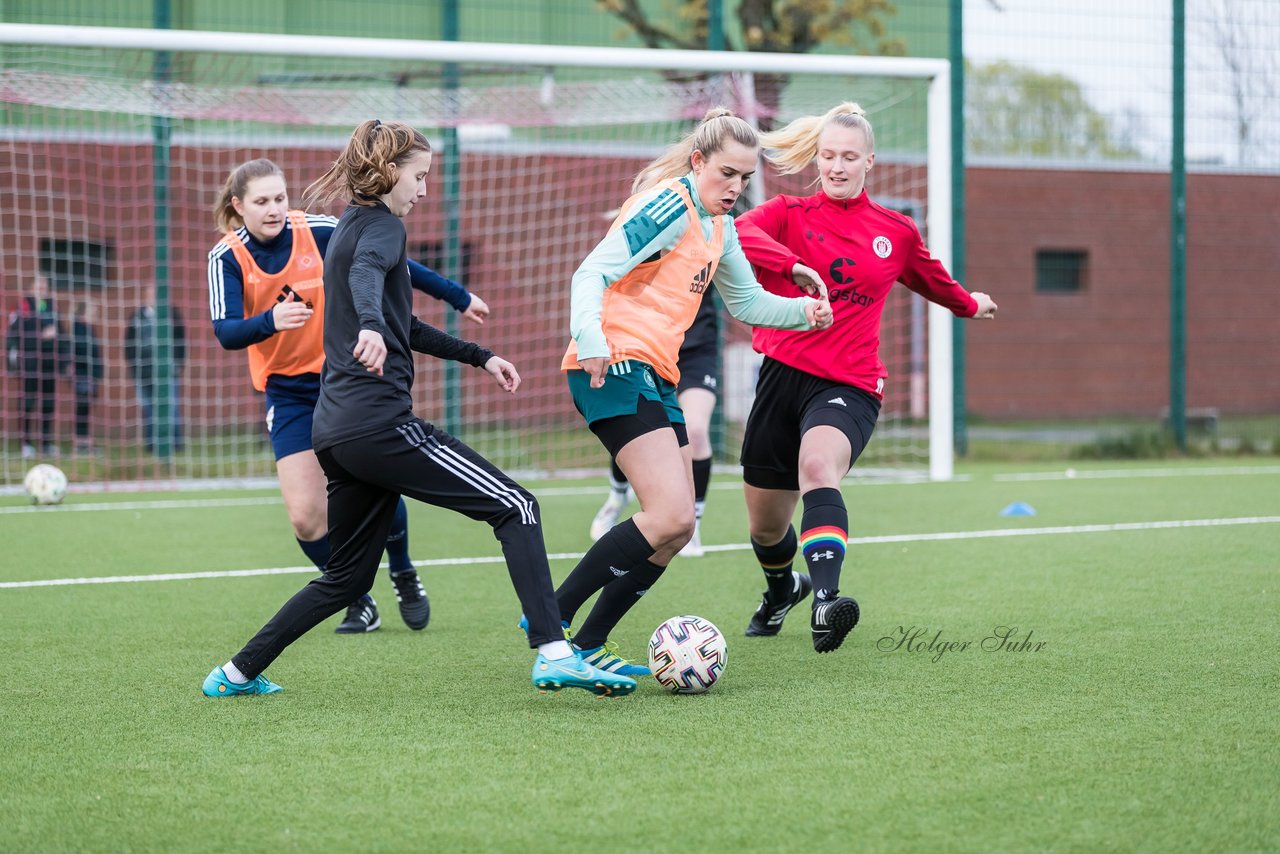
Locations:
(573, 672)
(216, 684)
(606, 658)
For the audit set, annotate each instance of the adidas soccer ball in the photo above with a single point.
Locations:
(687, 654)
(45, 484)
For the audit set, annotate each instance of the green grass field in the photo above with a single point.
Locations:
(1148, 719)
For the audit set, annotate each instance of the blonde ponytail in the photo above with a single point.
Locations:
(791, 149)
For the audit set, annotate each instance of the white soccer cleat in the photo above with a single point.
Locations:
(608, 515)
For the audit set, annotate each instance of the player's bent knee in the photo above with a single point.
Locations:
(308, 529)
(767, 536)
(310, 521)
(685, 535)
(768, 525)
(675, 530)
(819, 473)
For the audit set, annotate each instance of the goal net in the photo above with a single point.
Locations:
(115, 143)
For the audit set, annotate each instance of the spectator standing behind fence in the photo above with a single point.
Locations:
(87, 370)
(34, 348)
(140, 353)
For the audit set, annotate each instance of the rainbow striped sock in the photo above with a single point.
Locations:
(824, 536)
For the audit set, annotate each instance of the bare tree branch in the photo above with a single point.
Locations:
(1237, 34)
(653, 36)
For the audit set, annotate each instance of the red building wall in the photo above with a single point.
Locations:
(1101, 352)
(1105, 350)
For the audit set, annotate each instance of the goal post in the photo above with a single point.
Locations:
(547, 137)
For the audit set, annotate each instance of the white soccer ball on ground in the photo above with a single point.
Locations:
(45, 484)
(687, 654)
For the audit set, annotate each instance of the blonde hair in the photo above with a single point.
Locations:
(791, 149)
(717, 127)
(362, 171)
(225, 217)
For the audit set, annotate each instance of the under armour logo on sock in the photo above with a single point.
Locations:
(827, 555)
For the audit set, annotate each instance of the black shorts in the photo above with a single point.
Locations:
(614, 433)
(633, 401)
(700, 368)
(788, 403)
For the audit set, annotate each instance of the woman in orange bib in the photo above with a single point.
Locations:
(633, 298)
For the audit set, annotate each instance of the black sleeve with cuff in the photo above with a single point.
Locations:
(425, 338)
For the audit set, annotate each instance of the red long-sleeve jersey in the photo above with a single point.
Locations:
(861, 249)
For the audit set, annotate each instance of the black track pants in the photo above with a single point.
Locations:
(367, 476)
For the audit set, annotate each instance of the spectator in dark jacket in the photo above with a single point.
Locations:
(140, 353)
(87, 368)
(35, 351)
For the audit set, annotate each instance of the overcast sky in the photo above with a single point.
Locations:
(1120, 51)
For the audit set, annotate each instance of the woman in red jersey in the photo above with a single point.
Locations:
(818, 396)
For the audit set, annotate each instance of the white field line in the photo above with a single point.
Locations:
(888, 538)
(263, 500)
(1068, 474)
(1098, 474)
(157, 504)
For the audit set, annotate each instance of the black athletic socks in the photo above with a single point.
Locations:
(615, 554)
(775, 561)
(824, 535)
(398, 540)
(701, 479)
(616, 599)
(617, 480)
(317, 551)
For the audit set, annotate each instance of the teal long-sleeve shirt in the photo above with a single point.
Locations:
(621, 251)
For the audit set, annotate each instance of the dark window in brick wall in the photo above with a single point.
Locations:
(73, 265)
(1061, 271)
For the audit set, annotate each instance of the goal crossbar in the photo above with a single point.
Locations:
(935, 71)
(445, 51)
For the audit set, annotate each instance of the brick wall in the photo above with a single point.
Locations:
(1105, 350)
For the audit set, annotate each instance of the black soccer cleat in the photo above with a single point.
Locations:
(362, 616)
(767, 620)
(415, 608)
(832, 620)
